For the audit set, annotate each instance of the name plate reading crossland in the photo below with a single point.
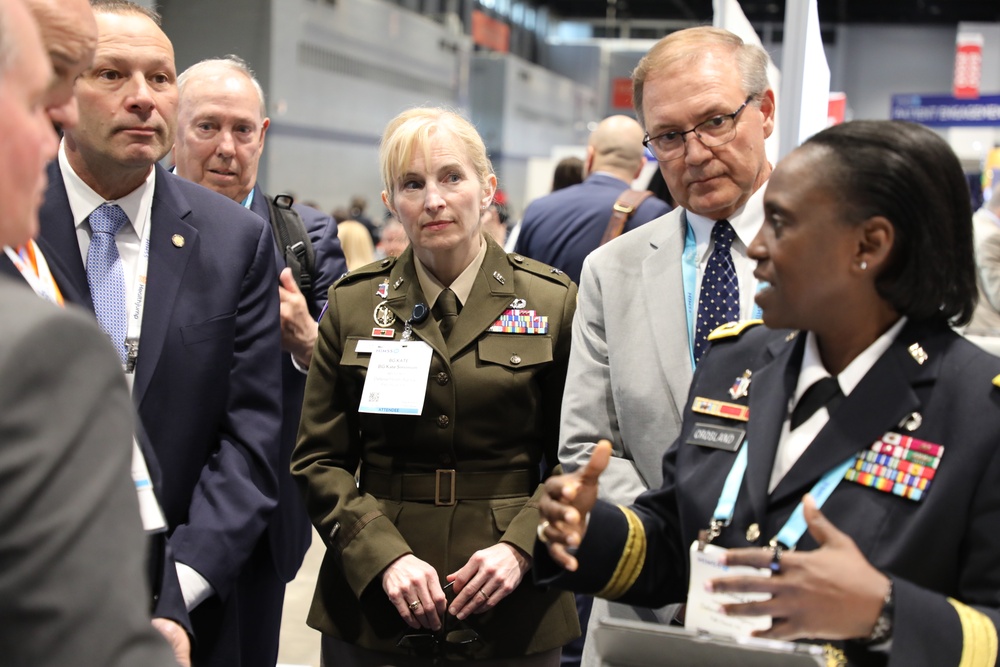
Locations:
(397, 378)
(713, 435)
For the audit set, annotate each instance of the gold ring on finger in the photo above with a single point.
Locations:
(413, 605)
(540, 531)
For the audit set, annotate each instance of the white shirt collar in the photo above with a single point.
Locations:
(83, 200)
(746, 221)
(812, 368)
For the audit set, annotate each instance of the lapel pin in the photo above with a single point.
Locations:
(384, 317)
(912, 421)
(790, 337)
(917, 353)
(383, 289)
(496, 274)
(741, 387)
(177, 240)
(396, 284)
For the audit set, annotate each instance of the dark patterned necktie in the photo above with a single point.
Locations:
(105, 274)
(719, 298)
(446, 312)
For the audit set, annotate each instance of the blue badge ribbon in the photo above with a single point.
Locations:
(795, 527)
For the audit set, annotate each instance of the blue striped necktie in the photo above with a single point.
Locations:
(105, 274)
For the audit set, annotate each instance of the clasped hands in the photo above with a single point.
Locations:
(832, 592)
(414, 588)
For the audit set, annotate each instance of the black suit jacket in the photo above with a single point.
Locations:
(290, 531)
(946, 546)
(564, 227)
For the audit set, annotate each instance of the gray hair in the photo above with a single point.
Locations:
(8, 42)
(690, 43)
(125, 7)
(230, 62)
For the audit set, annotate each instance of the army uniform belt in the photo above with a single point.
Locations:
(448, 486)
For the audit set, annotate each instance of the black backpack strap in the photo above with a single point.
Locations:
(293, 241)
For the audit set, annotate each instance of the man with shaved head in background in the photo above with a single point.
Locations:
(562, 228)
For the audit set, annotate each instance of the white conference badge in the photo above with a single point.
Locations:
(397, 377)
(153, 520)
(704, 609)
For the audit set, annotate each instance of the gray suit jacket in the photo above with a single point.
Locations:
(986, 319)
(73, 586)
(629, 372)
(630, 365)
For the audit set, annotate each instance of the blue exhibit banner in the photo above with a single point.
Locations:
(947, 111)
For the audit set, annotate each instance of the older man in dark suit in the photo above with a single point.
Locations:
(222, 123)
(564, 227)
(181, 279)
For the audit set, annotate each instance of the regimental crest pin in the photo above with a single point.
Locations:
(917, 353)
(384, 317)
(741, 387)
(383, 289)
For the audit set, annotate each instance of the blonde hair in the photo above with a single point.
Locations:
(411, 131)
(356, 243)
(689, 44)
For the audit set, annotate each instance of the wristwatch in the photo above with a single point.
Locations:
(882, 631)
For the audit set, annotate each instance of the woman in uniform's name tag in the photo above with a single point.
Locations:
(397, 378)
(719, 437)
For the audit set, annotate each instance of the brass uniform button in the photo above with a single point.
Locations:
(443, 421)
(515, 359)
(753, 532)
(442, 378)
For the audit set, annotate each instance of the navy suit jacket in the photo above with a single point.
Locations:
(290, 530)
(209, 357)
(564, 227)
(940, 549)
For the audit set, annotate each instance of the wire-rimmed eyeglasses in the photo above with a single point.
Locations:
(715, 131)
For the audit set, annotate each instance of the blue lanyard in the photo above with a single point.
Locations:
(795, 527)
(689, 274)
(248, 200)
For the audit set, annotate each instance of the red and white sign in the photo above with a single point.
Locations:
(837, 109)
(968, 65)
(621, 92)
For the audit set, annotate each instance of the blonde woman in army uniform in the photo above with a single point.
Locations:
(440, 374)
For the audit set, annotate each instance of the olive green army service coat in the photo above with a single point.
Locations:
(490, 414)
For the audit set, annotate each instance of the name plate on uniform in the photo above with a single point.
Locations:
(397, 378)
(719, 437)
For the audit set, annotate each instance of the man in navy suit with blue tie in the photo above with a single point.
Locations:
(564, 227)
(200, 337)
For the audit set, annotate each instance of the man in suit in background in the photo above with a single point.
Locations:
(564, 227)
(72, 584)
(986, 227)
(222, 123)
(705, 102)
(182, 281)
